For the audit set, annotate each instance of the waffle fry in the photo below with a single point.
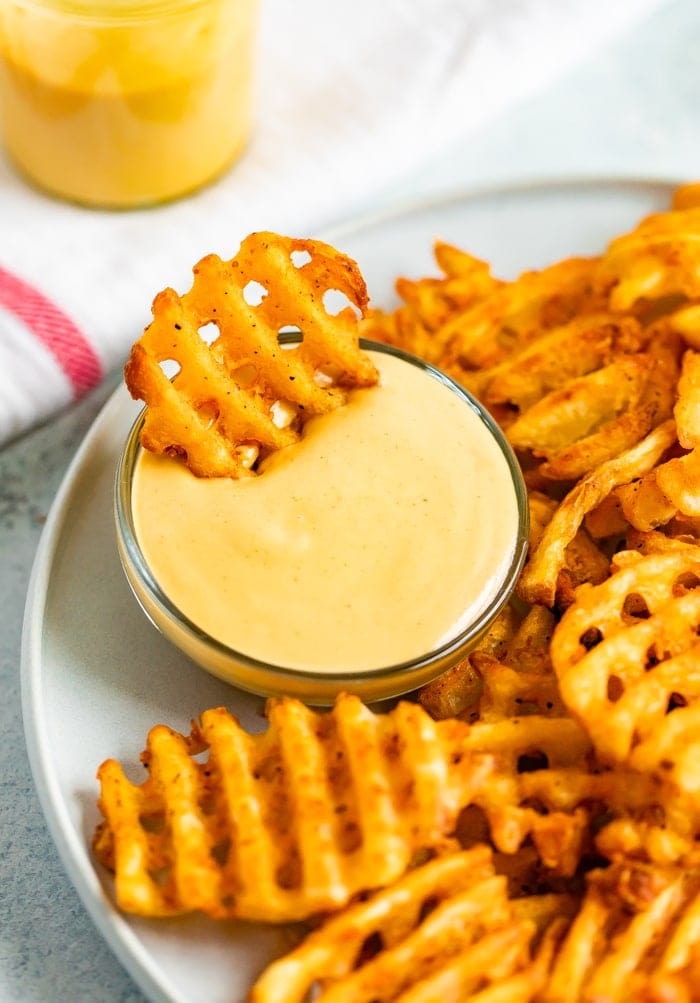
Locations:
(444, 931)
(583, 560)
(591, 419)
(634, 939)
(655, 542)
(326, 806)
(673, 487)
(544, 365)
(538, 581)
(516, 314)
(657, 259)
(495, 683)
(687, 409)
(243, 395)
(686, 196)
(455, 693)
(517, 800)
(429, 304)
(467, 280)
(625, 653)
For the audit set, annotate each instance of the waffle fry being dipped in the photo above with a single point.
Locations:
(241, 395)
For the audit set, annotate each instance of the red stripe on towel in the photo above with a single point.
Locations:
(54, 329)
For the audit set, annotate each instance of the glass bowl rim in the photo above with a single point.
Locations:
(128, 540)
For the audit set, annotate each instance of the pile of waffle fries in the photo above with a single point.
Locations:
(528, 828)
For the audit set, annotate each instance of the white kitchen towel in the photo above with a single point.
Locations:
(350, 98)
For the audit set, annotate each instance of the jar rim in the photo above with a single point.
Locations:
(112, 11)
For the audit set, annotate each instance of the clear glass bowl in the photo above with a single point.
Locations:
(312, 686)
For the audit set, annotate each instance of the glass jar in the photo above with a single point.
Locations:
(124, 103)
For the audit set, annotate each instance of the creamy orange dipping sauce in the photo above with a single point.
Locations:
(125, 102)
(384, 532)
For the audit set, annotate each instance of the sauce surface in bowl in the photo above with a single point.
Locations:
(382, 534)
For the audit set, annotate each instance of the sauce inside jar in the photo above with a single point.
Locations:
(125, 103)
(384, 533)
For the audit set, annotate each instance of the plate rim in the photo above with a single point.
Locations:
(119, 936)
(397, 208)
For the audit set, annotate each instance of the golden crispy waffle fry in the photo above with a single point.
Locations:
(499, 680)
(637, 928)
(455, 693)
(444, 931)
(428, 304)
(300, 818)
(656, 542)
(482, 688)
(434, 301)
(668, 490)
(542, 508)
(287, 823)
(596, 417)
(528, 651)
(686, 196)
(678, 480)
(581, 406)
(673, 487)
(659, 258)
(642, 504)
(584, 561)
(687, 408)
(607, 519)
(456, 263)
(517, 313)
(535, 753)
(650, 834)
(538, 581)
(243, 390)
(508, 692)
(627, 653)
(685, 320)
(402, 329)
(564, 353)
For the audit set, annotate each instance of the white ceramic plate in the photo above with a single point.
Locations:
(96, 675)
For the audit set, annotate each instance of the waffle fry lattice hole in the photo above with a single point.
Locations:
(244, 395)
